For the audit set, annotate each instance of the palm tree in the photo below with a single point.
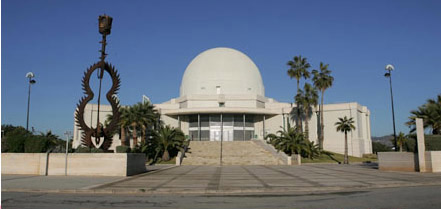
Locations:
(298, 68)
(401, 140)
(307, 98)
(147, 117)
(430, 113)
(345, 125)
(322, 81)
(167, 138)
(288, 140)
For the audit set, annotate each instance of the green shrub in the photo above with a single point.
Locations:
(36, 144)
(379, 147)
(82, 149)
(433, 142)
(123, 149)
(15, 140)
(14, 144)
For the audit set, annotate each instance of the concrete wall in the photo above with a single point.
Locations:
(397, 161)
(78, 164)
(433, 161)
(407, 161)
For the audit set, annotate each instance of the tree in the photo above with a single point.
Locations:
(307, 98)
(431, 115)
(137, 118)
(298, 68)
(322, 80)
(345, 125)
(292, 141)
(401, 140)
(167, 138)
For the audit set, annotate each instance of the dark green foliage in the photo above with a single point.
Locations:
(433, 143)
(36, 144)
(430, 112)
(379, 147)
(123, 149)
(82, 149)
(18, 139)
(165, 143)
(292, 141)
(14, 138)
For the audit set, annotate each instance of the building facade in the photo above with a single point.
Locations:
(222, 98)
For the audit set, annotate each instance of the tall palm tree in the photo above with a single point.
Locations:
(167, 138)
(322, 80)
(430, 112)
(298, 68)
(345, 125)
(307, 98)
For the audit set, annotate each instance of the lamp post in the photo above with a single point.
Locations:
(389, 69)
(67, 133)
(29, 75)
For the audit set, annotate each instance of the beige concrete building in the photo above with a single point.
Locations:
(222, 98)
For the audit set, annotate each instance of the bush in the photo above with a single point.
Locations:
(82, 149)
(15, 140)
(433, 142)
(36, 144)
(379, 147)
(122, 149)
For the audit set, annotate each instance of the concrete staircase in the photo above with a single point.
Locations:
(233, 153)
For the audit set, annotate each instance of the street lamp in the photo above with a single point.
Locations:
(29, 75)
(389, 68)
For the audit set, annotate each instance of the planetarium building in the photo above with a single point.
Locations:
(222, 98)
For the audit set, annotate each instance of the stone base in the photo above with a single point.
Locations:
(78, 164)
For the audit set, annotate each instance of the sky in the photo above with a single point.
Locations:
(152, 42)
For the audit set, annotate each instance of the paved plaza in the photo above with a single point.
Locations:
(228, 180)
(268, 179)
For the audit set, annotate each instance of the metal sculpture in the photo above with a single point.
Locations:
(99, 137)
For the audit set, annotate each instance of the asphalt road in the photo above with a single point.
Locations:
(401, 197)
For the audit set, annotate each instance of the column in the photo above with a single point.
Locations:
(199, 126)
(222, 136)
(179, 121)
(264, 127)
(421, 145)
(243, 127)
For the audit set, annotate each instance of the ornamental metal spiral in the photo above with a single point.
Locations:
(99, 137)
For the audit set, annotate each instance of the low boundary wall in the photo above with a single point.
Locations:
(78, 164)
(408, 161)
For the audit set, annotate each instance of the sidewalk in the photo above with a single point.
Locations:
(64, 183)
(228, 180)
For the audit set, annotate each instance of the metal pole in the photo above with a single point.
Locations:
(29, 103)
(393, 112)
(67, 149)
(222, 137)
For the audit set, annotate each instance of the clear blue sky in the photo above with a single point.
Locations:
(152, 42)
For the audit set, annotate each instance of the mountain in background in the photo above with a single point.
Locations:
(386, 140)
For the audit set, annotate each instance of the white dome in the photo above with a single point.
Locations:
(222, 71)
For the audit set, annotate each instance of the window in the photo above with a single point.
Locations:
(218, 89)
(221, 104)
